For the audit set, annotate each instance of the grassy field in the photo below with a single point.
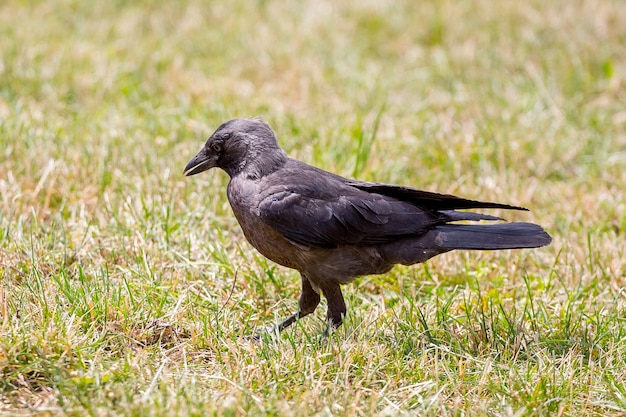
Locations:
(126, 288)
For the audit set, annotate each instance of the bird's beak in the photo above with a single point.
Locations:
(200, 163)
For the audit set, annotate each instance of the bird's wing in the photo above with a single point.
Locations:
(328, 214)
(427, 199)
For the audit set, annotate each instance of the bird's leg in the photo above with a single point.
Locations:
(336, 306)
(309, 299)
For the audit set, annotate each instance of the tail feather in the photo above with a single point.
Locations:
(468, 215)
(492, 236)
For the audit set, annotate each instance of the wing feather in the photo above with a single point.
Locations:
(307, 216)
(427, 199)
(311, 207)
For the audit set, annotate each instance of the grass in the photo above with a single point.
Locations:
(125, 288)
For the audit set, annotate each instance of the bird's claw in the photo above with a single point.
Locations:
(262, 334)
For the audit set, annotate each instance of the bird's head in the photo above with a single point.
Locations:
(240, 145)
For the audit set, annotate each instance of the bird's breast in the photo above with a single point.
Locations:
(244, 197)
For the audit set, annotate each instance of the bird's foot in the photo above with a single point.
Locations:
(264, 333)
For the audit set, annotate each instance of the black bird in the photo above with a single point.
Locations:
(333, 229)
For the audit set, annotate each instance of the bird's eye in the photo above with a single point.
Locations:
(216, 147)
